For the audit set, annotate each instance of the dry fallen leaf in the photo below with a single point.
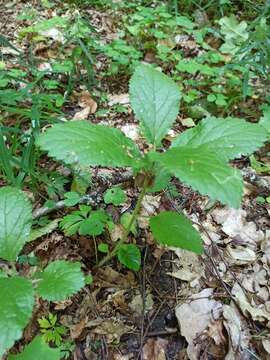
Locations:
(258, 313)
(118, 99)
(108, 277)
(131, 131)
(77, 329)
(194, 317)
(82, 115)
(155, 349)
(187, 122)
(238, 338)
(150, 204)
(137, 303)
(190, 267)
(234, 224)
(112, 329)
(240, 255)
(88, 104)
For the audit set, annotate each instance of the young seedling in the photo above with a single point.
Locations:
(57, 281)
(198, 157)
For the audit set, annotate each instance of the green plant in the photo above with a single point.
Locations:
(57, 281)
(52, 332)
(198, 157)
(85, 221)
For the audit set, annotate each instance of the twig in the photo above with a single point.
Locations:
(94, 198)
(260, 181)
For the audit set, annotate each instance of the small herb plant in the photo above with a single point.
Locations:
(198, 157)
(57, 281)
(85, 221)
(51, 331)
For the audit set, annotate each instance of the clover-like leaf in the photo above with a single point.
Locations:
(201, 169)
(72, 198)
(130, 256)
(79, 142)
(229, 138)
(15, 222)
(16, 304)
(174, 229)
(155, 100)
(115, 196)
(38, 349)
(60, 279)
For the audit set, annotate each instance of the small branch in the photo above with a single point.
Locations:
(260, 181)
(94, 198)
(91, 199)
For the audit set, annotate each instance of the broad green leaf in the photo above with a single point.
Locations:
(16, 304)
(60, 279)
(115, 196)
(161, 180)
(130, 256)
(201, 169)
(38, 349)
(228, 138)
(235, 34)
(173, 229)
(104, 248)
(72, 198)
(15, 222)
(155, 100)
(79, 142)
(94, 224)
(265, 120)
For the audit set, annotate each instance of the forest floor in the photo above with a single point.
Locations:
(178, 305)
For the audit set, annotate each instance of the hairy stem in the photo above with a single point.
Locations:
(128, 228)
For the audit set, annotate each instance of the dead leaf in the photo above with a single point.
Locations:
(238, 339)
(150, 204)
(155, 349)
(187, 122)
(82, 115)
(118, 99)
(194, 317)
(88, 104)
(234, 224)
(137, 303)
(266, 345)
(258, 313)
(54, 34)
(131, 131)
(240, 255)
(87, 101)
(108, 277)
(112, 329)
(77, 329)
(190, 267)
(62, 305)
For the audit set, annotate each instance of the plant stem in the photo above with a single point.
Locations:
(128, 228)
